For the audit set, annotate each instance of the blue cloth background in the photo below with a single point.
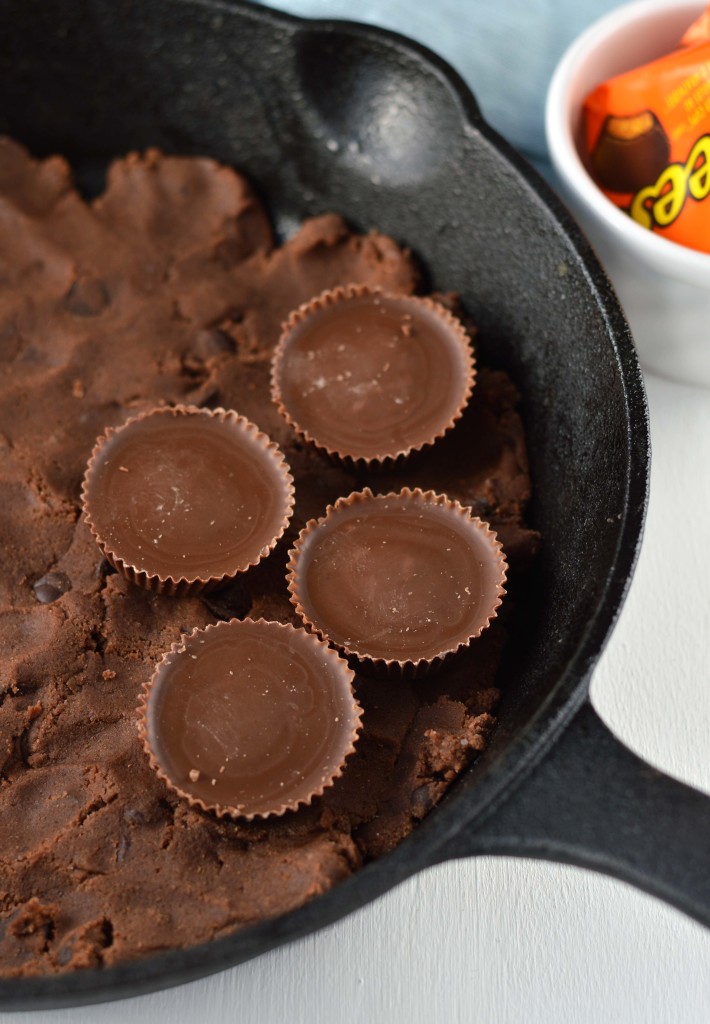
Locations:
(506, 50)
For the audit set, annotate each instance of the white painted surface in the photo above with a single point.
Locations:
(499, 941)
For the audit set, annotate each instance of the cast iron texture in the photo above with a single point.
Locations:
(335, 116)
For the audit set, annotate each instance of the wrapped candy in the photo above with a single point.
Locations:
(647, 134)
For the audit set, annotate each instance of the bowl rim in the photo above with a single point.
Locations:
(678, 260)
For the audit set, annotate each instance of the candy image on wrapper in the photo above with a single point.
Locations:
(630, 152)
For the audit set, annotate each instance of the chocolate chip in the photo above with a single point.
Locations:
(103, 569)
(230, 602)
(212, 343)
(88, 296)
(50, 587)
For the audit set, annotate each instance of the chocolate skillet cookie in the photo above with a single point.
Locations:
(169, 288)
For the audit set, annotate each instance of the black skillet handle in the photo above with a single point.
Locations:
(593, 803)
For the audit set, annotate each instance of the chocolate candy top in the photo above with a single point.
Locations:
(368, 376)
(249, 718)
(406, 577)
(187, 494)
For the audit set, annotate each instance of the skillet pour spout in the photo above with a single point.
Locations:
(334, 116)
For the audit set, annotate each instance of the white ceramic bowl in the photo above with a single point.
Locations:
(663, 287)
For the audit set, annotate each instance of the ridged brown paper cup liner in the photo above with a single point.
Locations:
(398, 582)
(249, 719)
(368, 377)
(182, 499)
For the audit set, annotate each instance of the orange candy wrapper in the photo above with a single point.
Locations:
(648, 139)
(699, 31)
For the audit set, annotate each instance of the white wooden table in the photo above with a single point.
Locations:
(497, 941)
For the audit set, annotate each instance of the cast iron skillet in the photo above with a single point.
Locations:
(336, 116)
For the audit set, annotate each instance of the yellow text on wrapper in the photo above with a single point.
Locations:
(660, 204)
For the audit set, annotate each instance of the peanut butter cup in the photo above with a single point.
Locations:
(249, 718)
(397, 581)
(370, 377)
(182, 499)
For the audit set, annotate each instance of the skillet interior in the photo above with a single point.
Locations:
(331, 117)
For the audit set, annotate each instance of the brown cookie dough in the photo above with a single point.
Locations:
(169, 288)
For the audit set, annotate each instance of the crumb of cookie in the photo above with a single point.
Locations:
(446, 753)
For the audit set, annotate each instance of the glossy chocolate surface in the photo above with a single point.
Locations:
(373, 375)
(183, 493)
(251, 717)
(399, 576)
